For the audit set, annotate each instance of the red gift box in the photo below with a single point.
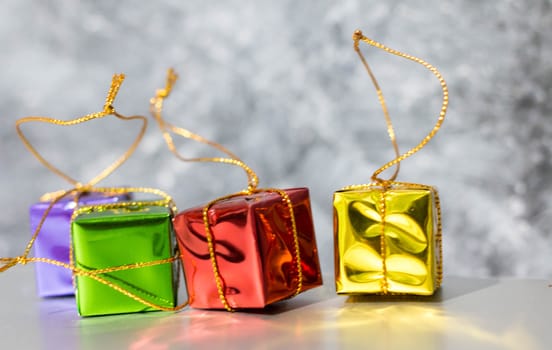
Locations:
(255, 250)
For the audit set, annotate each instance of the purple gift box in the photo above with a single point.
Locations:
(54, 238)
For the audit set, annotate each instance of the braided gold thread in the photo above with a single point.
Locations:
(108, 110)
(166, 200)
(358, 36)
(156, 106)
(390, 185)
(439, 239)
(116, 83)
(132, 266)
(383, 247)
(209, 236)
(381, 99)
(287, 202)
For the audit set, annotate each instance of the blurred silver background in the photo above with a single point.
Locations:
(278, 83)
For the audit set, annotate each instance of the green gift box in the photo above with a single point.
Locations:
(124, 246)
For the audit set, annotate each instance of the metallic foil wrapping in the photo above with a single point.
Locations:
(254, 249)
(387, 240)
(53, 240)
(116, 237)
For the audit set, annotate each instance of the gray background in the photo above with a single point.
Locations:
(278, 83)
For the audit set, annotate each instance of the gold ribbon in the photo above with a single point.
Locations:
(79, 189)
(156, 104)
(388, 183)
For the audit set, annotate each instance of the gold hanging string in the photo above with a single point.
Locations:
(79, 188)
(384, 283)
(23, 258)
(107, 110)
(156, 104)
(358, 36)
(381, 99)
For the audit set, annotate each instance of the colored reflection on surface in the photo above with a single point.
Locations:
(465, 314)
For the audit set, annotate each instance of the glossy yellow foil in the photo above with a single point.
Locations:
(399, 253)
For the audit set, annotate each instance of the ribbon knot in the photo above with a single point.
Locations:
(109, 109)
(11, 262)
(172, 77)
(116, 82)
(83, 188)
(357, 35)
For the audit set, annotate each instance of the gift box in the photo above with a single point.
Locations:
(254, 246)
(112, 237)
(54, 238)
(387, 240)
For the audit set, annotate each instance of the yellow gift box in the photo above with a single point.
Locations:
(387, 239)
(387, 234)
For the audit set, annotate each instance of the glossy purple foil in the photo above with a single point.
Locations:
(53, 241)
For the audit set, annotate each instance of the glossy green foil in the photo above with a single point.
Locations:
(117, 237)
(411, 243)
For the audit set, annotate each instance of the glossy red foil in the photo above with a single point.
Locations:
(254, 248)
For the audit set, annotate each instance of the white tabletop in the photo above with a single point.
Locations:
(466, 314)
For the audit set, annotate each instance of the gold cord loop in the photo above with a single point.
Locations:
(358, 36)
(156, 106)
(107, 110)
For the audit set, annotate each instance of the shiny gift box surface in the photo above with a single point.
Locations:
(387, 240)
(121, 236)
(54, 238)
(254, 248)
